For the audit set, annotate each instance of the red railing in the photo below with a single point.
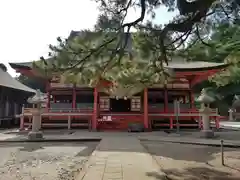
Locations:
(121, 120)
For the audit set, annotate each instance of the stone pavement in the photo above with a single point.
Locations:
(231, 138)
(230, 125)
(194, 141)
(119, 158)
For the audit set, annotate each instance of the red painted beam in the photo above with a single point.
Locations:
(203, 77)
(194, 73)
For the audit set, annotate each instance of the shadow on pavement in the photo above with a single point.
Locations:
(86, 147)
(196, 173)
(185, 152)
(175, 157)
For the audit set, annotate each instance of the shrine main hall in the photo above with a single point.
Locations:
(79, 106)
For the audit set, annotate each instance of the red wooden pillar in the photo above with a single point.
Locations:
(145, 110)
(48, 94)
(191, 98)
(95, 110)
(74, 97)
(48, 99)
(217, 122)
(165, 100)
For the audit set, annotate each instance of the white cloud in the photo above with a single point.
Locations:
(28, 26)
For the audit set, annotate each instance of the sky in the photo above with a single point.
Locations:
(27, 27)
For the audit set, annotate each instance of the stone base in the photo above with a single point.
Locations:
(207, 133)
(135, 127)
(93, 130)
(35, 135)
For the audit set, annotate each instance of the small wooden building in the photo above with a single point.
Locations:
(13, 95)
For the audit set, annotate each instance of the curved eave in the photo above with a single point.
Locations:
(20, 66)
(26, 69)
(196, 67)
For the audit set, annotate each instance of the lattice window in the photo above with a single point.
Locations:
(104, 103)
(136, 104)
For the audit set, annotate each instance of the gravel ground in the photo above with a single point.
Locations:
(192, 162)
(43, 161)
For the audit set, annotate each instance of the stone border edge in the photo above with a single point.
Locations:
(227, 145)
(52, 140)
(87, 164)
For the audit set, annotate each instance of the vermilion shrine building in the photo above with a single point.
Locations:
(76, 106)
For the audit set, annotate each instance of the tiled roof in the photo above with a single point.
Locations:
(175, 65)
(196, 65)
(6, 80)
(21, 64)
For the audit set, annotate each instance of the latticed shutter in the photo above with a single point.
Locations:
(104, 103)
(136, 103)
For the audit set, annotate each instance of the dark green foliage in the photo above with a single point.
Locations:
(109, 52)
(224, 46)
(32, 82)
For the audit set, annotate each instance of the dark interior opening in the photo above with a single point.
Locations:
(120, 105)
(84, 98)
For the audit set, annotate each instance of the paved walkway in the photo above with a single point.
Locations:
(230, 125)
(231, 138)
(120, 159)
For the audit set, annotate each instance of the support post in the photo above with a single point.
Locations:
(22, 119)
(7, 107)
(200, 122)
(171, 123)
(74, 97)
(48, 100)
(69, 122)
(145, 109)
(222, 153)
(191, 98)
(165, 100)
(217, 122)
(177, 112)
(48, 95)
(15, 111)
(95, 110)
